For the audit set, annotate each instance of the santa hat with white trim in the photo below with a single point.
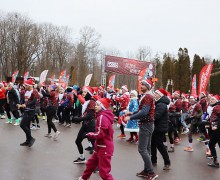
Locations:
(148, 83)
(176, 93)
(216, 97)
(161, 92)
(125, 87)
(89, 90)
(104, 103)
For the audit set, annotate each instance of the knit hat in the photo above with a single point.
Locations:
(104, 103)
(176, 93)
(161, 92)
(125, 87)
(134, 92)
(89, 90)
(148, 83)
(29, 82)
(216, 97)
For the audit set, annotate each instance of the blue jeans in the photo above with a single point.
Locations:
(183, 119)
(144, 145)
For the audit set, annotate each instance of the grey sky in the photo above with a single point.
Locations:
(163, 25)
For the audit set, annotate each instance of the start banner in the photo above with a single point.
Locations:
(128, 66)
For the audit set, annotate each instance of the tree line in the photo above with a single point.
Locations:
(29, 46)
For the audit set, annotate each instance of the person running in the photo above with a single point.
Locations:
(104, 143)
(29, 105)
(146, 128)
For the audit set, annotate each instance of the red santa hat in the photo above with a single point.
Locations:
(172, 107)
(109, 87)
(104, 103)
(5, 83)
(161, 92)
(96, 89)
(89, 90)
(216, 97)
(148, 83)
(102, 87)
(125, 87)
(176, 93)
(192, 96)
(29, 82)
(183, 95)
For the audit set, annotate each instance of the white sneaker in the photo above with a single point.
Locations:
(186, 131)
(56, 135)
(3, 117)
(48, 135)
(16, 124)
(33, 128)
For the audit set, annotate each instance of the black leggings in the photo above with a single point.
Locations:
(157, 143)
(51, 111)
(172, 130)
(25, 123)
(214, 138)
(81, 135)
(59, 112)
(2, 103)
(66, 115)
(15, 113)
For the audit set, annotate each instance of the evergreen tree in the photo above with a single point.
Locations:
(197, 65)
(167, 70)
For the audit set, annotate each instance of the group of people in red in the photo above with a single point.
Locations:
(148, 117)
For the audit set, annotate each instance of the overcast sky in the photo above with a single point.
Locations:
(163, 25)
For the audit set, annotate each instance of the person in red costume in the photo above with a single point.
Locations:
(214, 130)
(124, 101)
(2, 100)
(104, 145)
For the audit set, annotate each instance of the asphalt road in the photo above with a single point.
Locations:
(49, 159)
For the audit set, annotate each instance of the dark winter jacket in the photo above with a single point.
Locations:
(161, 114)
(12, 99)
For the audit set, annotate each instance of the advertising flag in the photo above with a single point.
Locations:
(88, 79)
(14, 76)
(43, 76)
(111, 82)
(204, 76)
(193, 90)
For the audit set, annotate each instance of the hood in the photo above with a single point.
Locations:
(108, 114)
(163, 99)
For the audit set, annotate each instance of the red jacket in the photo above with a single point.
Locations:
(123, 100)
(2, 93)
(104, 144)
